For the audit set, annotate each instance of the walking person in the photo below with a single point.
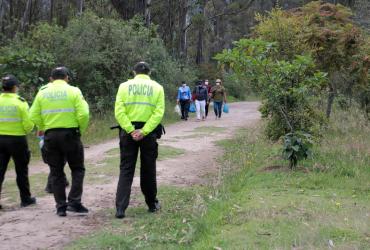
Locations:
(139, 109)
(62, 112)
(14, 125)
(184, 99)
(201, 95)
(206, 84)
(218, 94)
(41, 136)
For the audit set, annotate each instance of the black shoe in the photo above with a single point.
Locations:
(155, 207)
(61, 211)
(77, 208)
(30, 201)
(120, 214)
(1, 207)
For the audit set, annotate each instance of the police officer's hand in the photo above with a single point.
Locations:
(137, 135)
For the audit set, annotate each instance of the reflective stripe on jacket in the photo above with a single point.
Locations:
(139, 100)
(14, 117)
(60, 105)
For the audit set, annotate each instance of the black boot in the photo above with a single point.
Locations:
(120, 213)
(77, 208)
(28, 202)
(154, 207)
(61, 211)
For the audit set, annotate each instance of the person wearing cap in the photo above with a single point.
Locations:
(41, 135)
(139, 109)
(184, 98)
(15, 124)
(61, 111)
(218, 94)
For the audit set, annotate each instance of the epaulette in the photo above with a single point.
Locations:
(21, 98)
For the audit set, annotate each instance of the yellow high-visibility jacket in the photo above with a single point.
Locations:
(60, 105)
(14, 117)
(140, 100)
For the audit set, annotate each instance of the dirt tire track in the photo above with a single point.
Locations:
(38, 227)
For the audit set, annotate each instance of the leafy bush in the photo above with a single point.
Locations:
(286, 86)
(296, 147)
(327, 33)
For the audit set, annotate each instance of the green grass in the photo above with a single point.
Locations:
(104, 171)
(254, 207)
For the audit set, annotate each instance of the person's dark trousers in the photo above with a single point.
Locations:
(61, 145)
(207, 107)
(148, 181)
(185, 105)
(217, 106)
(16, 147)
(48, 184)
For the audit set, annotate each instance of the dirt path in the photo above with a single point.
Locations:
(38, 227)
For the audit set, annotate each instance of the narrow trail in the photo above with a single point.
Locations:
(38, 227)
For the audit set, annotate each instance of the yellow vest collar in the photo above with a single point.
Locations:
(59, 82)
(9, 94)
(142, 76)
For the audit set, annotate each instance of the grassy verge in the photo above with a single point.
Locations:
(258, 203)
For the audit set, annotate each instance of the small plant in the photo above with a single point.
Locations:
(297, 146)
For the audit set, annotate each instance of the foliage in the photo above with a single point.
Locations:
(325, 31)
(100, 52)
(297, 146)
(29, 65)
(286, 87)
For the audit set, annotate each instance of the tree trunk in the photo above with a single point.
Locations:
(26, 19)
(330, 103)
(80, 6)
(44, 7)
(147, 13)
(199, 58)
(183, 16)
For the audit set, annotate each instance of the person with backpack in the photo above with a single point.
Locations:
(201, 95)
(184, 98)
(218, 94)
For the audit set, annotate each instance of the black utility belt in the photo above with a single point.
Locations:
(75, 131)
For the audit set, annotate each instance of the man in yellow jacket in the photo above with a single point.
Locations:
(14, 125)
(61, 111)
(139, 109)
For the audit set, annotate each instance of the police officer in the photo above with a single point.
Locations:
(139, 109)
(14, 125)
(61, 111)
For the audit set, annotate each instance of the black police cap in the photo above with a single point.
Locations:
(9, 81)
(142, 67)
(59, 72)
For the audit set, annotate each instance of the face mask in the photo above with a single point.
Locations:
(206, 83)
(184, 85)
(217, 83)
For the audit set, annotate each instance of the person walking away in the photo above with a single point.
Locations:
(14, 125)
(206, 83)
(201, 95)
(184, 98)
(41, 136)
(218, 94)
(139, 109)
(62, 112)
